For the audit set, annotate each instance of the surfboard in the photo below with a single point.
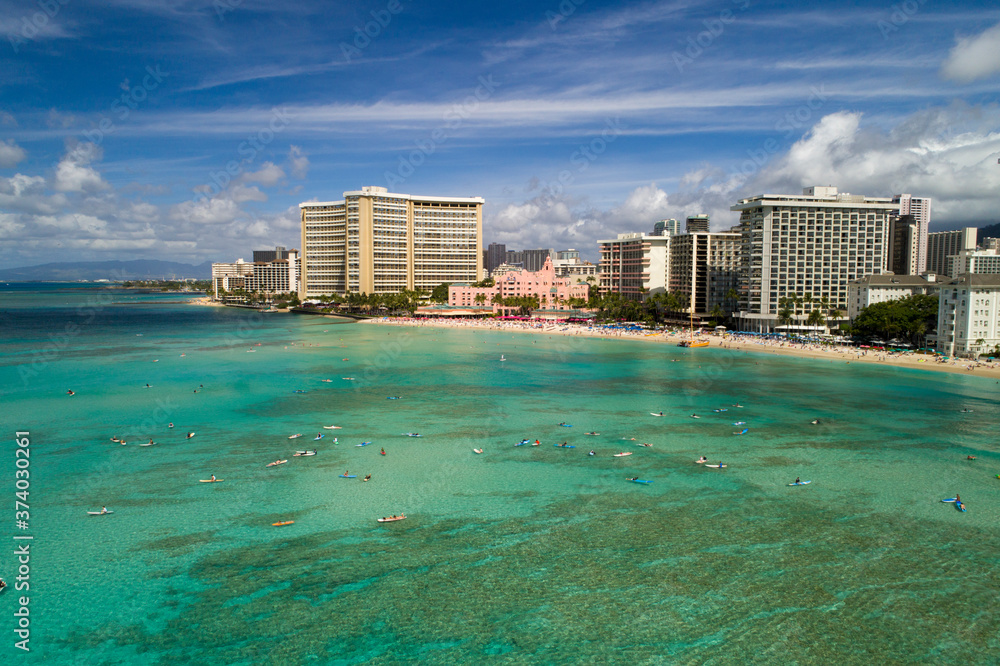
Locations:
(639, 480)
(716, 466)
(211, 480)
(348, 476)
(99, 513)
(800, 483)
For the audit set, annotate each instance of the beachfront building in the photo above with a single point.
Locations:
(278, 276)
(919, 211)
(553, 292)
(974, 261)
(969, 315)
(944, 244)
(810, 245)
(375, 241)
(634, 265)
(872, 289)
(703, 270)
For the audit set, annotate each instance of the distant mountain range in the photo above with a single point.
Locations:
(140, 269)
(992, 231)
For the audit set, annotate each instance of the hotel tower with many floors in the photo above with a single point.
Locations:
(374, 241)
(811, 246)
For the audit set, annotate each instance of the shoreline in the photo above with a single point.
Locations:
(832, 353)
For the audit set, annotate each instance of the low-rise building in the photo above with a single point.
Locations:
(280, 276)
(553, 293)
(872, 289)
(969, 315)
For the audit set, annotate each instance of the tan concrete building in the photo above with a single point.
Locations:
(374, 241)
(634, 265)
(704, 268)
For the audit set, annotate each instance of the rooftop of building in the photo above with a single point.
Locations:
(889, 279)
(372, 190)
(827, 196)
(975, 280)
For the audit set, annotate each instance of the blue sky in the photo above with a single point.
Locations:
(576, 120)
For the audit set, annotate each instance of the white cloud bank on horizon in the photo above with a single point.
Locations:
(973, 58)
(949, 154)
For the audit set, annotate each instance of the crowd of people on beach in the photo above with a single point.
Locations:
(729, 340)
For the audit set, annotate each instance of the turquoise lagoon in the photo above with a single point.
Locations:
(519, 555)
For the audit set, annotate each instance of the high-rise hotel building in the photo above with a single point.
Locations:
(812, 244)
(374, 241)
(920, 209)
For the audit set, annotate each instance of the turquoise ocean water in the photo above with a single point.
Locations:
(518, 555)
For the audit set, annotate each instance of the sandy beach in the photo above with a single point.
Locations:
(833, 353)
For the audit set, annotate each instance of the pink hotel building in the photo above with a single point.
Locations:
(552, 292)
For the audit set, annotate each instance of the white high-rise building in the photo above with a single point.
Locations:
(920, 209)
(810, 245)
(374, 241)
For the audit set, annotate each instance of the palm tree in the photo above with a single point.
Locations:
(816, 318)
(717, 313)
(480, 299)
(785, 315)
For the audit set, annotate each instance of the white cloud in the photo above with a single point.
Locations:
(242, 193)
(7, 119)
(74, 174)
(559, 220)
(57, 120)
(974, 57)
(218, 210)
(268, 175)
(949, 154)
(11, 154)
(298, 161)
